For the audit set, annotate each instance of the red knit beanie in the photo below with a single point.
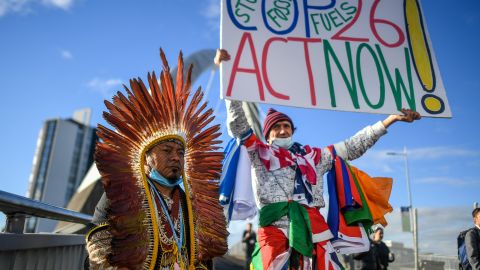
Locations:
(272, 118)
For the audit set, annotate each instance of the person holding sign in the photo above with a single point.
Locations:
(287, 179)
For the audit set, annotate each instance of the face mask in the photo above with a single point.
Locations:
(157, 177)
(283, 142)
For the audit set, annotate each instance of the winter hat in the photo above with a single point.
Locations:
(272, 118)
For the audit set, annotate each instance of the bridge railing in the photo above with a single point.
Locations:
(38, 251)
(17, 208)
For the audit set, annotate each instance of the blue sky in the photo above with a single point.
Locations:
(57, 56)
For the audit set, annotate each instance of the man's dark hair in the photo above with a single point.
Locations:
(475, 211)
(379, 229)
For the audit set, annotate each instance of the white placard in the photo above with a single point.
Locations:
(352, 55)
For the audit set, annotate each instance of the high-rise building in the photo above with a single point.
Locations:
(62, 157)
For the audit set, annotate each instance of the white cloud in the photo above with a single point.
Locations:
(211, 13)
(104, 86)
(212, 10)
(380, 161)
(25, 6)
(438, 229)
(427, 153)
(457, 182)
(440, 152)
(63, 4)
(7, 6)
(66, 54)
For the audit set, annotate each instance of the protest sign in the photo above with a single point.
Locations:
(352, 55)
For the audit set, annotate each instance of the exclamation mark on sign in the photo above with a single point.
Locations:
(421, 56)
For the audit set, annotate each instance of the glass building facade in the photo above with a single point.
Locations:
(63, 155)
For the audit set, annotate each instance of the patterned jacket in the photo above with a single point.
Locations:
(278, 185)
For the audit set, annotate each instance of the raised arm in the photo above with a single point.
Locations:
(358, 144)
(355, 146)
(236, 119)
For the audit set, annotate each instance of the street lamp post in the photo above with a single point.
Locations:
(413, 214)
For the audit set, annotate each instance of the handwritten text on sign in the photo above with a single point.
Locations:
(352, 55)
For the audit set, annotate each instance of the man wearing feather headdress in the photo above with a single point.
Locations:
(160, 171)
(287, 180)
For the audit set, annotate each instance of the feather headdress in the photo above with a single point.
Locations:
(140, 120)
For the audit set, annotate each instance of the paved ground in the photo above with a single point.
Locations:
(228, 263)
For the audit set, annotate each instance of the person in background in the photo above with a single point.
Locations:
(249, 238)
(379, 255)
(472, 241)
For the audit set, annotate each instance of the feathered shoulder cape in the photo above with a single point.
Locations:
(141, 118)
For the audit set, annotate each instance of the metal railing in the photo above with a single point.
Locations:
(17, 208)
(39, 251)
(445, 262)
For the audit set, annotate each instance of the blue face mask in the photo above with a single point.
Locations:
(283, 142)
(157, 177)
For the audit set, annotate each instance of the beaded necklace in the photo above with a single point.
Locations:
(178, 238)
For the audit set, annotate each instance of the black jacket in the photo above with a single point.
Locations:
(472, 244)
(377, 258)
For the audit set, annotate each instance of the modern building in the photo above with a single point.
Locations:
(62, 157)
